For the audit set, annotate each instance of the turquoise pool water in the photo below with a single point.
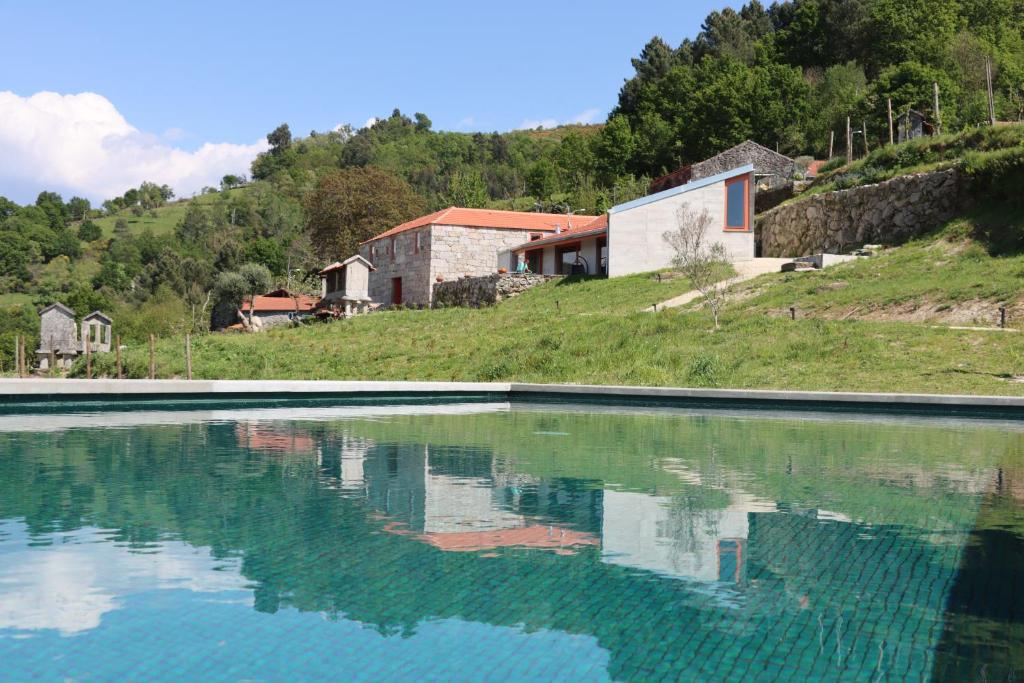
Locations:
(497, 542)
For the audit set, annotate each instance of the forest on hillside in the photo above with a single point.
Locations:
(785, 75)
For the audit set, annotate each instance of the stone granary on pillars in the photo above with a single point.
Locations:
(345, 286)
(58, 335)
(96, 328)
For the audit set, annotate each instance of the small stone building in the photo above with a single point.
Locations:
(96, 329)
(58, 335)
(449, 244)
(911, 125)
(771, 169)
(345, 286)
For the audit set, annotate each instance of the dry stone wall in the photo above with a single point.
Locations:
(473, 292)
(888, 213)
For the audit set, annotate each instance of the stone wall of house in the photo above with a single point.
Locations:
(472, 292)
(887, 213)
(408, 262)
(765, 161)
(457, 251)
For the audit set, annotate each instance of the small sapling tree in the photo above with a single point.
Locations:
(698, 259)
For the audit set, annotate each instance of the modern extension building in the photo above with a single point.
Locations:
(450, 244)
(631, 238)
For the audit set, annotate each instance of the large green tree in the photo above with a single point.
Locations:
(351, 205)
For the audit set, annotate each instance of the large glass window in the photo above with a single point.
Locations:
(736, 198)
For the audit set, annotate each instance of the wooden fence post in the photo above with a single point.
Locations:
(188, 356)
(152, 357)
(849, 141)
(938, 111)
(831, 143)
(117, 340)
(53, 358)
(991, 95)
(864, 130)
(892, 139)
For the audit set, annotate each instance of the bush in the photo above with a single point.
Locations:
(89, 232)
(706, 370)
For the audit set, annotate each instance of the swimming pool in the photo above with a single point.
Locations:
(500, 541)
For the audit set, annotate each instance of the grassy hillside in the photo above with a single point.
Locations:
(592, 331)
(162, 220)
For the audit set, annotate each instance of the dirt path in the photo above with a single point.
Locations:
(745, 270)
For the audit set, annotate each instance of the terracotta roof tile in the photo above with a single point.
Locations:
(302, 303)
(487, 218)
(594, 227)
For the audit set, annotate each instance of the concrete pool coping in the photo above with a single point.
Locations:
(55, 394)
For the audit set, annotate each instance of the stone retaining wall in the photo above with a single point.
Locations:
(473, 292)
(887, 213)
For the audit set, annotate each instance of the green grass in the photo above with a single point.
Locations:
(591, 331)
(14, 299)
(921, 156)
(942, 277)
(163, 223)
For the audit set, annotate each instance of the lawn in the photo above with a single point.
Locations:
(590, 331)
(164, 222)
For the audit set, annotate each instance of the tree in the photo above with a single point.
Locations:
(351, 205)
(7, 208)
(700, 262)
(231, 181)
(121, 228)
(53, 206)
(280, 139)
(257, 280)
(467, 188)
(422, 122)
(78, 208)
(195, 226)
(89, 232)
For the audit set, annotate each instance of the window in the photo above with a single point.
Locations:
(534, 236)
(392, 249)
(737, 203)
(418, 244)
(373, 251)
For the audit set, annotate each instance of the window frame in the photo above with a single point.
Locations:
(393, 248)
(745, 181)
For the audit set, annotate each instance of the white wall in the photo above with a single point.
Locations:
(636, 242)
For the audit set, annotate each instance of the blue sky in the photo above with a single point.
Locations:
(189, 73)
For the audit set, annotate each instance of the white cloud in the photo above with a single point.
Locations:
(584, 117)
(467, 122)
(370, 121)
(80, 144)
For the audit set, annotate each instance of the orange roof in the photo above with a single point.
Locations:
(300, 304)
(488, 218)
(594, 227)
(524, 537)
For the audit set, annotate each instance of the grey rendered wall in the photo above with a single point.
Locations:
(636, 242)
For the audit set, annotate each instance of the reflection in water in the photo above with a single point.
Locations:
(513, 545)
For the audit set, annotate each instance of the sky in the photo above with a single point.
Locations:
(97, 97)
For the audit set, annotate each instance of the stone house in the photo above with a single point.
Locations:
(771, 169)
(448, 244)
(345, 286)
(630, 239)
